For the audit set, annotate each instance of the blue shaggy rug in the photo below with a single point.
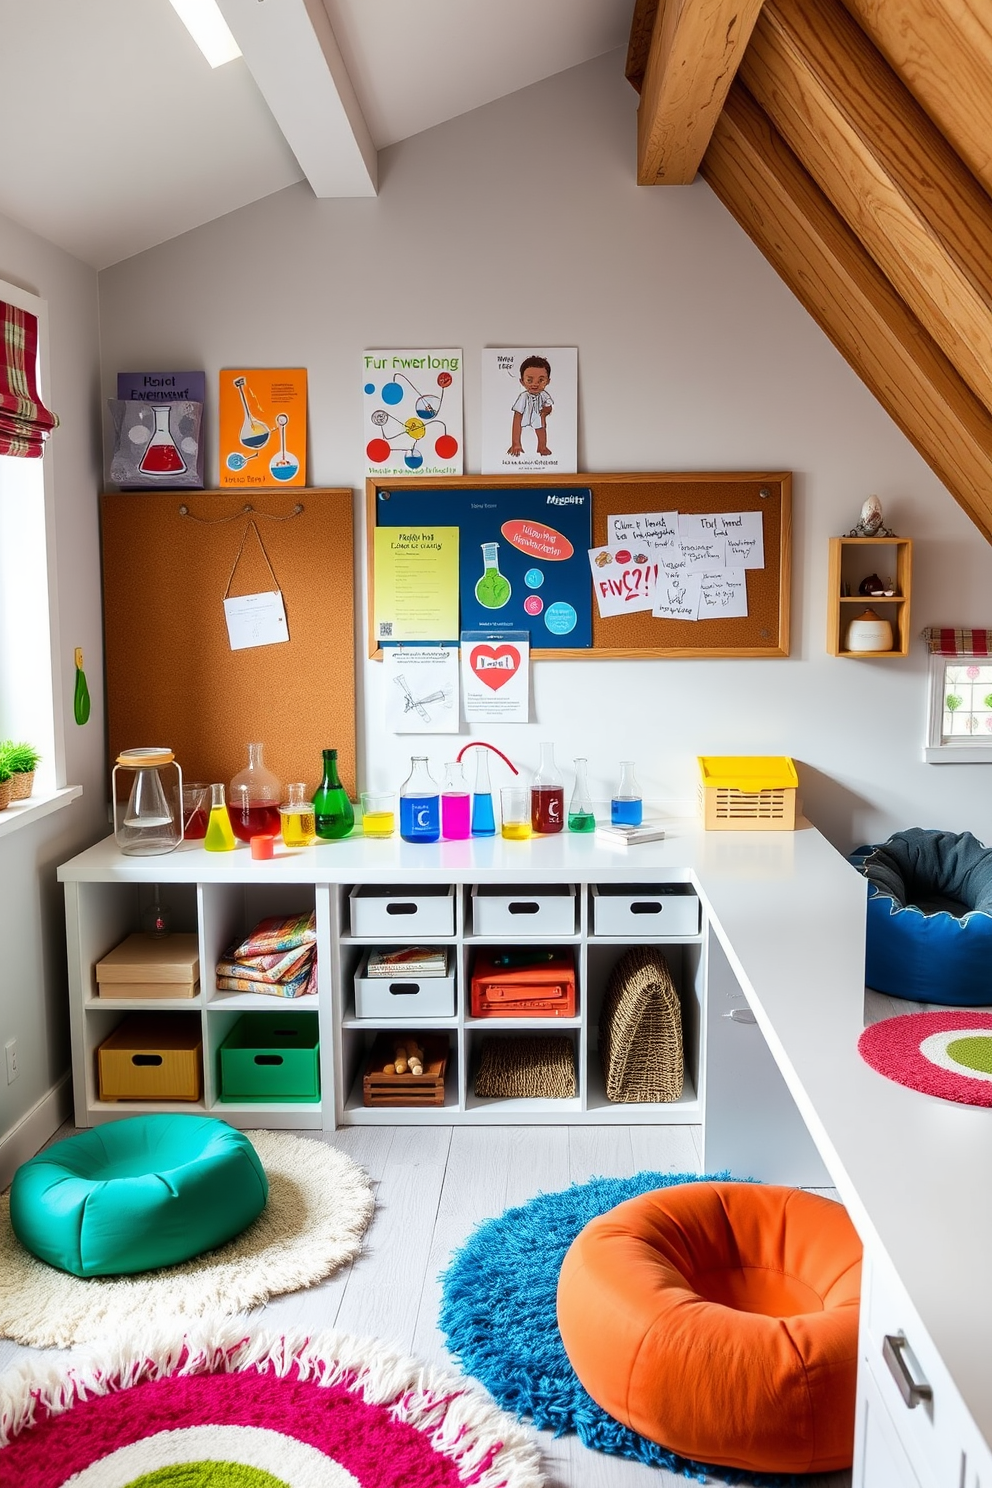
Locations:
(499, 1319)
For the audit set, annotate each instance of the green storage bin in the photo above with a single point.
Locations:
(271, 1057)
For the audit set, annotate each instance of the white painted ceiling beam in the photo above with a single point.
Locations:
(292, 54)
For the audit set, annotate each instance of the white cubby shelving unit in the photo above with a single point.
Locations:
(221, 897)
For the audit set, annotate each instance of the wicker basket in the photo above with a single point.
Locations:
(526, 1068)
(21, 785)
(640, 1030)
(6, 793)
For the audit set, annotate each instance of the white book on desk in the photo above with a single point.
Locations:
(648, 831)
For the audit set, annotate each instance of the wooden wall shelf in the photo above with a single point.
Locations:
(853, 559)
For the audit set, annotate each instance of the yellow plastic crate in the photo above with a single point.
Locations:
(748, 793)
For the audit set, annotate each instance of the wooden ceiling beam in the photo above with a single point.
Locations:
(763, 185)
(945, 59)
(639, 44)
(886, 168)
(695, 50)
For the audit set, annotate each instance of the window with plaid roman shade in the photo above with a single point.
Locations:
(25, 422)
(959, 728)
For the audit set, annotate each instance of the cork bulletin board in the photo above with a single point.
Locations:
(764, 631)
(172, 678)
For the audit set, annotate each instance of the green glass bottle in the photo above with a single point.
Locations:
(334, 813)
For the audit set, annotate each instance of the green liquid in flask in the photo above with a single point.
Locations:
(581, 821)
(493, 590)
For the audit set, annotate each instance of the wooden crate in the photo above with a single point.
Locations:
(380, 1089)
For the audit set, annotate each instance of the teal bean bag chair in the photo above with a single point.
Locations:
(135, 1194)
(929, 926)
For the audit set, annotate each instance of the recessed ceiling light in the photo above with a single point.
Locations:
(209, 30)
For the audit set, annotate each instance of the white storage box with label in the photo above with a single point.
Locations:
(405, 994)
(526, 909)
(645, 909)
(381, 909)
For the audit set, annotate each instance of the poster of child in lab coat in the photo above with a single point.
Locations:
(529, 410)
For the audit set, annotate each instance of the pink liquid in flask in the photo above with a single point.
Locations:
(455, 815)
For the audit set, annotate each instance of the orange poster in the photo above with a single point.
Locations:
(263, 426)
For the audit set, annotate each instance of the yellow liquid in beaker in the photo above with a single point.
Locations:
(515, 831)
(299, 828)
(379, 824)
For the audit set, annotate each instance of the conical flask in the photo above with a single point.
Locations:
(455, 803)
(626, 806)
(483, 815)
(162, 455)
(580, 812)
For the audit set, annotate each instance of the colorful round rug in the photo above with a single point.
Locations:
(945, 1054)
(500, 1319)
(256, 1411)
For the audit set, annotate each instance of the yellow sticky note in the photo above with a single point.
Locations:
(416, 584)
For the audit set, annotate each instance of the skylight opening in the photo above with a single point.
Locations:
(208, 28)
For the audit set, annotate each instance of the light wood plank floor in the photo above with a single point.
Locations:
(433, 1186)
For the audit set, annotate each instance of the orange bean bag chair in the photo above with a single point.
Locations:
(721, 1320)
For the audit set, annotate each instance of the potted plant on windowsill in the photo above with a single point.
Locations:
(20, 761)
(6, 784)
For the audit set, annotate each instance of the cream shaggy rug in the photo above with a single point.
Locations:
(320, 1204)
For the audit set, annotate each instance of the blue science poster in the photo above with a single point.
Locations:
(522, 556)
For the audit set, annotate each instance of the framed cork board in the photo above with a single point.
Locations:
(169, 558)
(763, 631)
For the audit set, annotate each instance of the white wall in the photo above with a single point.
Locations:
(33, 1006)
(522, 223)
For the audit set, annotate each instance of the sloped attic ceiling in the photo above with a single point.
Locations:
(853, 143)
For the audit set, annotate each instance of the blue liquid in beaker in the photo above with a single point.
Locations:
(626, 811)
(483, 817)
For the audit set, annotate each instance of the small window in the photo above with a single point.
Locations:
(960, 713)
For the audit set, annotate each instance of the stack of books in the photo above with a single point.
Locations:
(411, 961)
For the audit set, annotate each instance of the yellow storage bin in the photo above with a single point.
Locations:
(152, 1057)
(748, 792)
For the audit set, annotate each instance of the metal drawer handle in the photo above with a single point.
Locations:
(905, 1370)
(646, 906)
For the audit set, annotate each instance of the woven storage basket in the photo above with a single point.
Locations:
(640, 1030)
(526, 1068)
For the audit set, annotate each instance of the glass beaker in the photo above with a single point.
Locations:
(220, 833)
(420, 813)
(483, 816)
(455, 815)
(297, 817)
(493, 589)
(162, 455)
(514, 805)
(626, 806)
(148, 824)
(580, 812)
(547, 794)
(196, 810)
(255, 796)
(335, 815)
(378, 813)
(254, 433)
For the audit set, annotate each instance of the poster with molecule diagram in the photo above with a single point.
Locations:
(412, 407)
(263, 426)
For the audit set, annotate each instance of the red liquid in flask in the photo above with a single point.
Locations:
(196, 826)
(547, 808)
(161, 459)
(255, 821)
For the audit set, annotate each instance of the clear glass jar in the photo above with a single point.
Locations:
(547, 794)
(148, 822)
(626, 807)
(297, 817)
(455, 803)
(420, 807)
(255, 796)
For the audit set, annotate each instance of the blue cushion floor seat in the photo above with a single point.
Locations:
(929, 925)
(136, 1194)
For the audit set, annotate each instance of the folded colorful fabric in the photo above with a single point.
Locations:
(267, 968)
(277, 934)
(299, 985)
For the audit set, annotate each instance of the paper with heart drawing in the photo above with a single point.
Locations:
(495, 676)
(623, 577)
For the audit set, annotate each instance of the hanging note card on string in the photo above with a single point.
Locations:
(255, 619)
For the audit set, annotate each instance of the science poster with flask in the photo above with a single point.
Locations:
(522, 563)
(263, 426)
(412, 412)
